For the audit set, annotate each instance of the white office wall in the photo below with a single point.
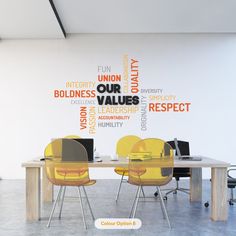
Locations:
(196, 68)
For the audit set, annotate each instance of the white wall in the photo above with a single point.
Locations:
(197, 68)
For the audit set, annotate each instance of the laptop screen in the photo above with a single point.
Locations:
(70, 153)
(88, 143)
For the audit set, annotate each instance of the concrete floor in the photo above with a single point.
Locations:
(186, 218)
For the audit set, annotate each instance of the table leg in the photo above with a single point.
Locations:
(219, 206)
(196, 185)
(33, 193)
(47, 188)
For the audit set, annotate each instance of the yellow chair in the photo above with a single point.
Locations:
(123, 149)
(155, 156)
(64, 173)
(72, 136)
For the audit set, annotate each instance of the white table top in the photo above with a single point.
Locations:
(123, 162)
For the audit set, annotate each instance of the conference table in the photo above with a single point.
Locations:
(219, 206)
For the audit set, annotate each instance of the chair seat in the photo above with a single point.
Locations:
(148, 182)
(75, 183)
(74, 177)
(71, 172)
(178, 175)
(231, 183)
(181, 172)
(121, 171)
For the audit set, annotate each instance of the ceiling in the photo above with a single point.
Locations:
(37, 19)
(28, 19)
(147, 16)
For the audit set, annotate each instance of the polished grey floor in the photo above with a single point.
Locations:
(186, 218)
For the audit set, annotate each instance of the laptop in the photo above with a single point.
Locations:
(70, 154)
(88, 143)
(185, 157)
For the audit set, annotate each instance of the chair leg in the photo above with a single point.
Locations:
(118, 193)
(136, 202)
(82, 208)
(142, 191)
(187, 189)
(88, 203)
(232, 194)
(177, 184)
(177, 188)
(54, 206)
(183, 190)
(163, 205)
(133, 203)
(62, 201)
(171, 191)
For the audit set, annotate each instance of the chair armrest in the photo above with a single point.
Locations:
(229, 170)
